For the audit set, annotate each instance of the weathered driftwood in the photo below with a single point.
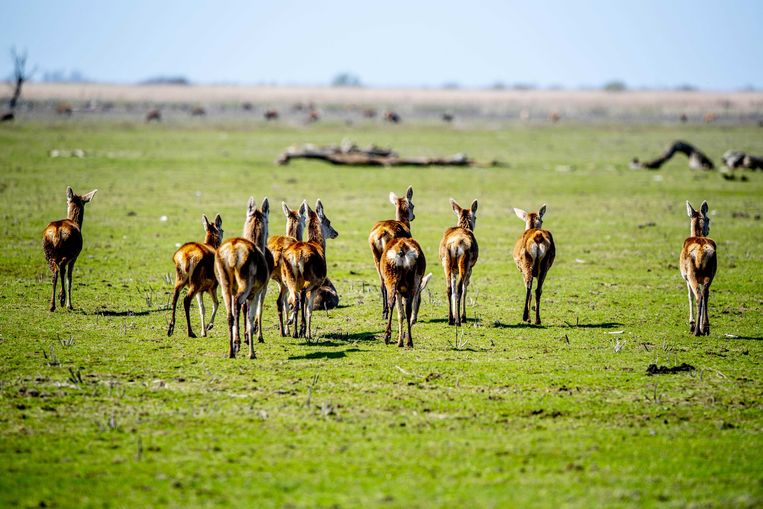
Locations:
(735, 159)
(351, 155)
(697, 159)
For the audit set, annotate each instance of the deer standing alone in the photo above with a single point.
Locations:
(303, 268)
(458, 253)
(243, 269)
(62, 244)
(195, 268)
(384, 231)
(277, 244)
(534, 254)
(698, 263)
(402, 268)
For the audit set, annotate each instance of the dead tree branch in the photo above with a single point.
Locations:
(351, 155)
(697, 159)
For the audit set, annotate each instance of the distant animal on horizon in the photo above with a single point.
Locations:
(384, 231)
(392, 117)
(242, 267)
(534, 253)
(62, 244)
(271, 114)
(198, 111)
(698, 263)
(8, 116)
(458, 254)
(403, 265)
(154, 115)
(195, 268)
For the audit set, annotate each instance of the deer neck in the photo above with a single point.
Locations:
(463, 222)
(294, 229)
(696, 229)
(256, 231)
(76, 213)
(315, 233)
(212, 239)
(401, 215)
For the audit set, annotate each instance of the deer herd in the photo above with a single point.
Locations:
(243, 266)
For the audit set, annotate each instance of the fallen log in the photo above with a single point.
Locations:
(735, 159)
(348, 154)
(697, 159)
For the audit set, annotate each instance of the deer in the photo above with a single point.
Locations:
(403, 265)
(242, 267)
(384, 231)
(458, 254)
(698, 263)
(62, 244)
(277, 244)
(534, 254)
(303, 268)
(195, 268)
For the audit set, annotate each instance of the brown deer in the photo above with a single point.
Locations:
(403, 266)
(458, 253)
(534, 254)
(698, 263)
(242, 268)
(384, 231)
(303, 268)
(154, 114)
(277, 244)
(195, 268)
(62, 244)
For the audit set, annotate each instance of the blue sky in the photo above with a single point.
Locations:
(713, 45)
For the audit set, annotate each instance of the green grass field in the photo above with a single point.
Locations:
(99, 408)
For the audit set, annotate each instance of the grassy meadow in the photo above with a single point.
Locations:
(99, 408)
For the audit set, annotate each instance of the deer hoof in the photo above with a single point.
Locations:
(260, 340)
(209, 327)
(191, 334)
(170, 329)
(691, 326)
(52, 307)
(252, 355)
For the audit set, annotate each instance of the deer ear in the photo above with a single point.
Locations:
(285, 208)
(89, 196)
(409, 193)
(474, 207)
(251, 206)
(319, 208)
(205, 221)
(393, 198)
(542, 211)
(265, 206)
(455, 206)
(218, 221)
(69, 193)
(689, 209)
(303, 208)
(425, 281)
(704, 208)
(521, 214)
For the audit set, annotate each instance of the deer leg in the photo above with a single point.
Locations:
(408, 311)
(69, 285)
(280, 306)
(463, 300)
(691, 307)
(215, 303)
(390, 305)
(200, 302)
(260, 306)
(309, 310)
(187, 307)
(457, 301)
(449, 291)
(62, 293)
(383, 288)
(705, 317)
(528, 299)
(400, 317)
(302, 311)
(55, 281)
(700, 308)
(175, 295)
(296, 304)
(538, 293)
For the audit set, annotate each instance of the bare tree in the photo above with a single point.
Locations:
(20, 75)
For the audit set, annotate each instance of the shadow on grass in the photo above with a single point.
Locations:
(520, 325)
(128, 312)
(351, 336)
(324, 355)
(748, 338)
(602, 325)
